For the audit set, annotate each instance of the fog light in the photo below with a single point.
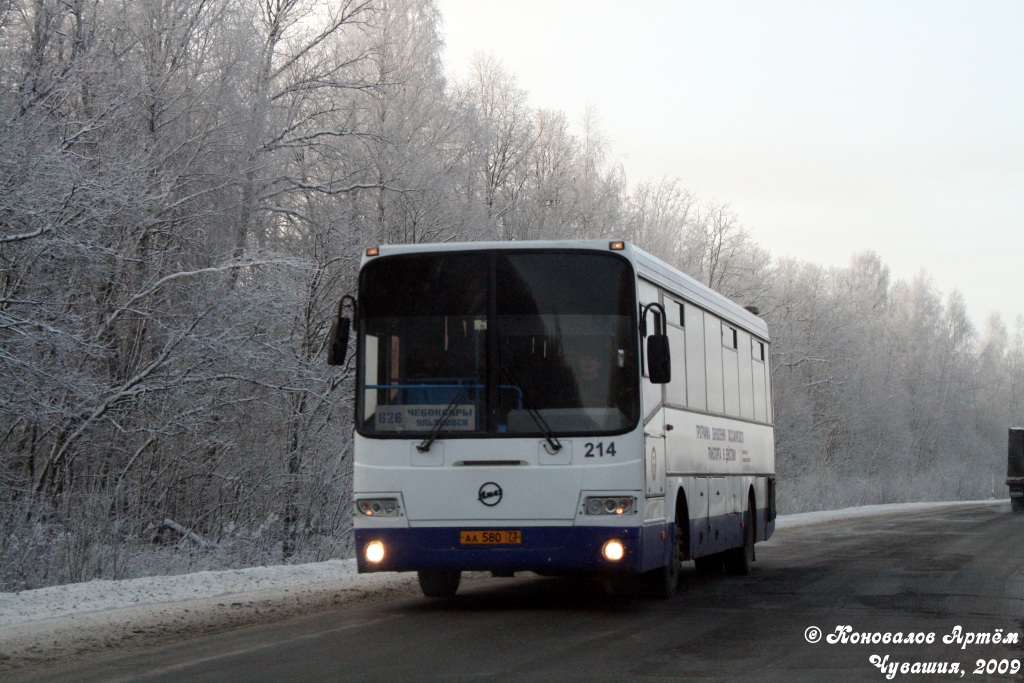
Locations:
(374, 552)
(613, 550)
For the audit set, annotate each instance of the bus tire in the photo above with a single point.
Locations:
(662, 583)
(439, 584)
(1017, 504)
(739, 561)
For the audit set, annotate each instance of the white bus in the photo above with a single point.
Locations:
(569, 407)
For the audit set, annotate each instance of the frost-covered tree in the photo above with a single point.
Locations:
(503, 139)
(186, 188)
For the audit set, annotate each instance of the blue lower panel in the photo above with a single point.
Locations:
(543, 549)
(718, 534)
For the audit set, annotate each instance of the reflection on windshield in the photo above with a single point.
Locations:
(571, 365)
(416, 366)
(438, 329)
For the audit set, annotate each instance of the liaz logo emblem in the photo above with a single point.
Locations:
(489, 494)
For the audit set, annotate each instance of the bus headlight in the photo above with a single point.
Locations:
(610, 505)
(374, 552)
(378, 507)
(613, 550)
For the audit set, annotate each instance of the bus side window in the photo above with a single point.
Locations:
(675, 313)
(696, 374)
(713, 353)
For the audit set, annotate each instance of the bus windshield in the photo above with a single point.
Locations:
(497, 343)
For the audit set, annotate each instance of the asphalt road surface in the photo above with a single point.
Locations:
(944, 579)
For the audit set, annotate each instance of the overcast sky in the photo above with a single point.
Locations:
(829, 127)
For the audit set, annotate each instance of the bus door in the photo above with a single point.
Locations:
(653, 398)
(654, 460)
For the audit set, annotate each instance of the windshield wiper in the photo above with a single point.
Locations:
(435, 431)
(549, 433)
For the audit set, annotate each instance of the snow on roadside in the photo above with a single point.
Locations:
(807, 518)
(50, 623)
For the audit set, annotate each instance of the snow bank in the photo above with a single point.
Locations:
(54, 622)
(51, 623)
(807, 518)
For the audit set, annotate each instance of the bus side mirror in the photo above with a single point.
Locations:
(659, 360)
(337, 338)
(337, 341)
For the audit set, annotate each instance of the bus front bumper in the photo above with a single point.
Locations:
(539, 549)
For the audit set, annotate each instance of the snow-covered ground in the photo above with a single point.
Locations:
(50, 623)
(806, 518)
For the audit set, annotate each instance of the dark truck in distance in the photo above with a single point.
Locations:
(1015, 469)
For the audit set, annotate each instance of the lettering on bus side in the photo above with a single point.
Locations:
(723, 453)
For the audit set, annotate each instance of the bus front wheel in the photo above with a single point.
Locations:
(739, 560)
(662, 583)
(439, 584)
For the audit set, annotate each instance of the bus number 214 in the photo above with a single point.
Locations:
(599, 450)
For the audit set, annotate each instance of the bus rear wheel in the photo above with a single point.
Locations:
(439, 584)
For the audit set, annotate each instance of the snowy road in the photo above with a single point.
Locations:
(919, 571)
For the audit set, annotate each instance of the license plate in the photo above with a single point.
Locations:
(491, 537)
(1016, 494)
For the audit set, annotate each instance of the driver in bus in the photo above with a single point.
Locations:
(592, 378)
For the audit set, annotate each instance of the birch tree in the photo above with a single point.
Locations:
(505, 137)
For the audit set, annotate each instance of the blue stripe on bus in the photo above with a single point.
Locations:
(724, 532)
(551, 549)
